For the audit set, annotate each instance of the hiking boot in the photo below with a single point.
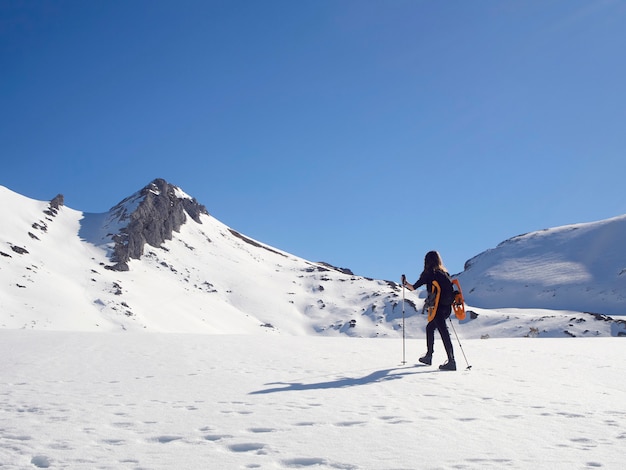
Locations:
(426, 359)
(450, 365)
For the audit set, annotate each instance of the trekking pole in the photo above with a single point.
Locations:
(459, 341)
(403, 334)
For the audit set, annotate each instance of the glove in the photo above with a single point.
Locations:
(403, 279)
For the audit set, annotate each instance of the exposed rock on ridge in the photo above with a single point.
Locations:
(55, 205)
(160, 212)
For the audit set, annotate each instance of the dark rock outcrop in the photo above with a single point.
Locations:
(57, 201)
(54, 206)
(160, 212)
(19, 250)
(341, 270)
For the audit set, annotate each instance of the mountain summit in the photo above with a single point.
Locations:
(149, 216)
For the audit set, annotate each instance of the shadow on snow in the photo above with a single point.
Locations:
(343, 382)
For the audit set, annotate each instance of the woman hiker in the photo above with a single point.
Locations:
(434, 271)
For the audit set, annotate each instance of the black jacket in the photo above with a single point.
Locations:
(444, 281)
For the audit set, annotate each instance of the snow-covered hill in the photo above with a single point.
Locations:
(158, 261)
(575, 267)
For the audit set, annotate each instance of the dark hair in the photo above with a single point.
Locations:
(433, 261)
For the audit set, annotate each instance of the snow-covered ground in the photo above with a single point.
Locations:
(85, 400)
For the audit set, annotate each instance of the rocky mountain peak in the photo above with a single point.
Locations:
(153, 214)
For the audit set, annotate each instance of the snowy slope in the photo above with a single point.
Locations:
(575, 267)
(207, 278)
(56, 274)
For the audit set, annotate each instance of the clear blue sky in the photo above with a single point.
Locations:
(361, 133)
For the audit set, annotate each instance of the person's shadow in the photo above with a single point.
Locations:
(343, 382)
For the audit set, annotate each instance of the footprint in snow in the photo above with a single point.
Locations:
(114, 442)
(217, 437)
(166, 439)
(248, 447)
(350, 423)
(40, 461)
(261, 430)
(316, 462)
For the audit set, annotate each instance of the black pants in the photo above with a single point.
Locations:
(439, 323)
